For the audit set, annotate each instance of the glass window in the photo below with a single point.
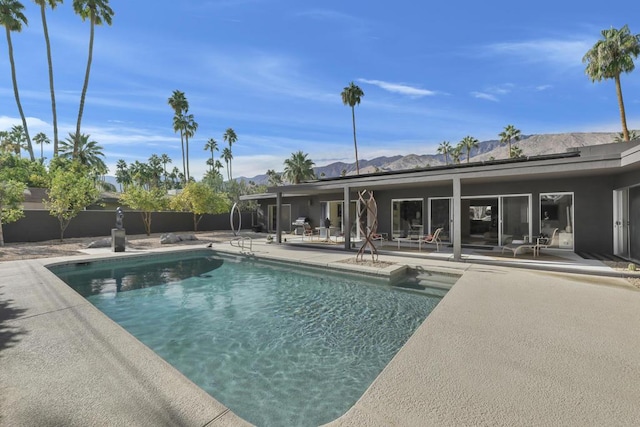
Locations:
(556, 212)
(406, 218)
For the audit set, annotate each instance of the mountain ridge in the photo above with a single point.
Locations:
(531, 145)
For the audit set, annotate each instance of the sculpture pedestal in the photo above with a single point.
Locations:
(118, 239)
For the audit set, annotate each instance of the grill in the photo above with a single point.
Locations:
(300, 224)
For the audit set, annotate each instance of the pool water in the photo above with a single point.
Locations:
(278, 345)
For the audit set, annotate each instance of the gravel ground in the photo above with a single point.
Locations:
(73, 246)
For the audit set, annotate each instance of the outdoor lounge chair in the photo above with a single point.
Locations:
(548, 242)
(516, 247)
(433, 239)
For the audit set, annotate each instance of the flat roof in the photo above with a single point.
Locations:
(591, 160)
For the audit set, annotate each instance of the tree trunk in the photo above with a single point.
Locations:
(84, 87)
(186, 149)
(53, 96)
(17, 96)
(146, 219)
(623, 116)
(184, 166)
(355, 145)
(1, 233)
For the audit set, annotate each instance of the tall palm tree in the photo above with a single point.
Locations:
(351, 96)
(227, 156)
(510, 133)
(43, 5)
(298, 168)
(211, 145)
(445, 149)
(469, 143)
(230, 137)
(190, 128)
(12, 19)
(41, 139)
(178, 102)
(98, 12)
(609, 58)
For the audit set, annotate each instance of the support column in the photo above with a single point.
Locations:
(457, 220)
(346, 216)
(278, 216)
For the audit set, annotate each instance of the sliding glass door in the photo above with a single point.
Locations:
(406, 218)
(441, 216)
(515, 219)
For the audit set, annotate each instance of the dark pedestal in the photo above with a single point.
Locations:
(118, 239)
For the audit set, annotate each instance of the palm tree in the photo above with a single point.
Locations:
(178, 102)
(41, 139)
(12, 19)
(43, 4)
(509, 133)
(609, 58)
(218, 166)
(445, 149)
(122, 174)
(190, 128)
(227, 156)
(17, 138)
(633, 135)
(211, 145)
(274, 178)
(164, 158)
(456, 152)
(179, 124)
(298, 168)
(230, 137)
(88, 153)
(351, 96)
(469, 143)
(97, 11)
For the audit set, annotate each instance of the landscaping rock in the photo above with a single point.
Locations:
(102, 243)
(170, 238)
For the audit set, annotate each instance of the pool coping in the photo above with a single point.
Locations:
(37, 382)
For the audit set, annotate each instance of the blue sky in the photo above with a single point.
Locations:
(273, 70)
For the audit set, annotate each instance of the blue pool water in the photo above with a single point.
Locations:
(278, 345)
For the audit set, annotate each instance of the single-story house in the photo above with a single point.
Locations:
(589, 195)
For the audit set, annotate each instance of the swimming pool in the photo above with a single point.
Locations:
(277, 344)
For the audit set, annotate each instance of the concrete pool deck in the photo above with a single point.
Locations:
(506, 346)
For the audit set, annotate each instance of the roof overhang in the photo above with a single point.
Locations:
(591, 161)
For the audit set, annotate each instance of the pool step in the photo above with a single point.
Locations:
(422, 288)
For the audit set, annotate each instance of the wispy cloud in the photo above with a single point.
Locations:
(400, 88)
(540, 88)
(492, 93)
(484, 95)
(563, 52)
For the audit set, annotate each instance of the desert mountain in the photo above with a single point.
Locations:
(531, 145)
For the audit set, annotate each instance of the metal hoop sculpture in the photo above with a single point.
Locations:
(367, 209)
(235, 208)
